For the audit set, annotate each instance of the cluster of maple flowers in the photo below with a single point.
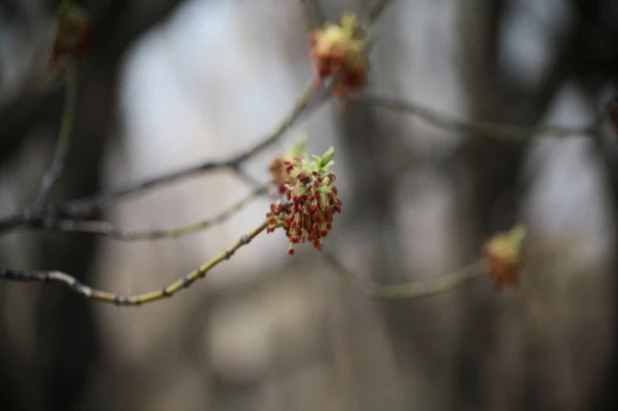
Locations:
(311, 197)
(503, 253)
(339, 51)
(72, 34)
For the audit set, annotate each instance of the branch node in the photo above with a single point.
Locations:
(120, 300)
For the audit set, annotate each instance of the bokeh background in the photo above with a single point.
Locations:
(171, 83)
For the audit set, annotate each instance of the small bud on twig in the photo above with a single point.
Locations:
(340, 51)
(72, 35)
(503, 252)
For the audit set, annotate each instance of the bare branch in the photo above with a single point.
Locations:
(411, 290)
(106, 229)
(137, 299)
(377, 10)
(491, 130)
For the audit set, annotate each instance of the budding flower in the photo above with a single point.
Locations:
(72, 34)
(340, 51)
(312, 201)
(503, 253)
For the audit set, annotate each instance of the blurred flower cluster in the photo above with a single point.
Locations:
(339, 51)
(72, 34)
(503, 253)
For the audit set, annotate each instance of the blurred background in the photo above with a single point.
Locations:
(171, 83)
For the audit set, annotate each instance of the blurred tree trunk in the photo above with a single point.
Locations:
(595, 41)
(493, 95)
(66, 330)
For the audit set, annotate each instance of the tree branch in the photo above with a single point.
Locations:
(485, 129)
(410, 290)
(106, 229)
(377, 10)
(137, 299)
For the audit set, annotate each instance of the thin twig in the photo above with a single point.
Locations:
(377, 10)
(106, 229)
(247, 178)
(64, 139)
(496, 131)
(136, 299)
(88, 205)
(411, 290)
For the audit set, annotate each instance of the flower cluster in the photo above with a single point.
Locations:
(340, 51)
(72, 34)
(308, 187)
(503, 253)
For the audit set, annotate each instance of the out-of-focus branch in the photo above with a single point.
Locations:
(64, 139)
(485, 129)
(106, 229)
(377, 10)
(410, 290)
